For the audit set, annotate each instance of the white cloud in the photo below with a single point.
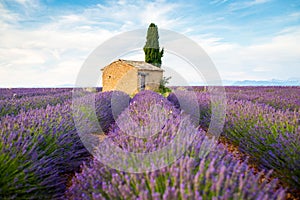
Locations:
(28, 56)
(255, 2)
(218, 2)
(28, 3)
(246, 4)
(295, 15)
(52, 54)
(279, 57)
(136, 14)
(6, 17)
(213, 45)
(261, 69)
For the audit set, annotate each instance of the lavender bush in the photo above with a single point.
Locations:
(196, 175)
(279, 97)
(17, 93)
(203, 111)
(108, 106)
(14, 106)
(270, 136)
(149, 123)
(216, 176)
(39, 150)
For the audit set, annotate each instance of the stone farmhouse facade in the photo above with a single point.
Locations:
(131, 76)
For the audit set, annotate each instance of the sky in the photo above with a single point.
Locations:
(44, 43)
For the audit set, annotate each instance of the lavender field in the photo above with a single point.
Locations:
(42, 156)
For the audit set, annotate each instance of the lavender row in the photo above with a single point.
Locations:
(114, 117)
(270, 136)
(279, 97)
(109, 105)
(197, 174)
(208, 178)
(96, 112)
(41, 148)
(14, 106)
(149, 123)
(17, 93)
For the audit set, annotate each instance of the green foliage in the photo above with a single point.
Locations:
(165, 80)
(153, 54)
(162, 87)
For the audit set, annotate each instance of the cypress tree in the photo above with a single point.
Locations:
(153, 54)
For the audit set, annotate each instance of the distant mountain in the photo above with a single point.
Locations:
(273, 82)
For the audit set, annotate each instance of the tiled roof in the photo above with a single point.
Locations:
(142, 65)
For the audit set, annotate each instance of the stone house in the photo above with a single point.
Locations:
(131, 76)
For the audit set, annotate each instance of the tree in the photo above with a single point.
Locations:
(153, 54)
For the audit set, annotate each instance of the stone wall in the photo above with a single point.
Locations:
(153, 79)
(124, 77)
(120, 76)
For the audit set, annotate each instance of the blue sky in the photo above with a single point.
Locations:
(45, 42)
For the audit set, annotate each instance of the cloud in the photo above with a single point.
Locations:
(218, 2)
(63, 75)
(136, 14)
(6, 17)
(246, 4)
(28, 3)
(261, 69)
(53, 52)
(295, 15)
(45, 51)
(256, 2)
(278, 57)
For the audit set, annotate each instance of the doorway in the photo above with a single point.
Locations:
(143, 82)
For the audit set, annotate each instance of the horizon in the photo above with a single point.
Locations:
(225, 83)
(44, 43)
